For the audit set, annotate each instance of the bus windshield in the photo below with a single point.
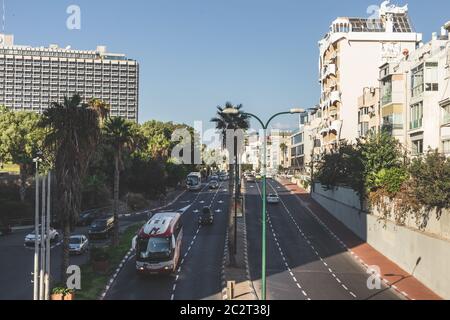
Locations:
(152, 246)
(192, 181)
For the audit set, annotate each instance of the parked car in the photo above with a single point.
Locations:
(101, 228)
(78, 244)
(273, 199)
(206, 217)
(31, 238)
(86, 218)
(251, 179)
(214, 185)
(5, 229)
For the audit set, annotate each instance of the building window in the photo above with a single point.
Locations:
(431, 76)
(417, 81)
(386, 91)
(363, 129)
(393, 122)
(446, 114)
(446, 146)
(417, 147)
(416, 116)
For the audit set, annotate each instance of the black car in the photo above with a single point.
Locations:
(88, 217)
(206, 217)
(101, 228)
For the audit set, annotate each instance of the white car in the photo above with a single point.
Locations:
(30, 238)
(78, 244)
(273, 199)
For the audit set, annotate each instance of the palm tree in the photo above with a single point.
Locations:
(121, 135)
(73, 134)
(225, 122)
(102, 108)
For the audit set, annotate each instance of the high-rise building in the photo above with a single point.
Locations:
(32, 78)
(350, 56)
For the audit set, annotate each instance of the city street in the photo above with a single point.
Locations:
(200, 272)
(17, 262)
(303, 260)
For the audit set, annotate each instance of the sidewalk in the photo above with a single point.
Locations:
(240, 271)
(392, 275)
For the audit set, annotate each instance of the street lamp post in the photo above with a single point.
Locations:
(265, 126)
(36, 233)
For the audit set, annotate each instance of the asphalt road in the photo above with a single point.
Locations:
(304, 262)
(17, 262)
(200, 271)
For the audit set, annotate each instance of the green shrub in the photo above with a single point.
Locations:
(391, 179)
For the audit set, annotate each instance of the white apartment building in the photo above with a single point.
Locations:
(277, 156)
(32, 78)
(350, 56)
(253, 151)
(306, 143)
(415, 101)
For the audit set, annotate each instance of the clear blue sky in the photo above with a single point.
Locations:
(197, 54)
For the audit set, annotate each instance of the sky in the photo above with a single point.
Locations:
(197, 54)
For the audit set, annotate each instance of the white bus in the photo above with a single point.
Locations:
(194, 181)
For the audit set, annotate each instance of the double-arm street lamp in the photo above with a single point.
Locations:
(265, 126)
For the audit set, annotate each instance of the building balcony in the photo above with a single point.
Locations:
(329, 70)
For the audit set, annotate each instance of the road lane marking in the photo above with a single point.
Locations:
(306, 238)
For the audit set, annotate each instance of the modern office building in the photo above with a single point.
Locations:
(350, 56)
(31, 78)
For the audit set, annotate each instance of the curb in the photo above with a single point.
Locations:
(247, 264)
(127, 215)
(116, 274)
(224, 263)
(345, 247)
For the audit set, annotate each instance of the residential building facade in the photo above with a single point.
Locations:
(369, 112)
(350, 56)
(414, 100)
(32, 78)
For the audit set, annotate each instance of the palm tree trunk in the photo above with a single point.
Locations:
(23, 183)
(116, 199)
(65, 252)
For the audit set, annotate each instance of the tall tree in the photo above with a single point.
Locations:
(102, 108)
(122, 135)
(20, 141)
(225, 122)
(73, 134)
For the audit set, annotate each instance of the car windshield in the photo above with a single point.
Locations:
(99, 224)
(75, 240)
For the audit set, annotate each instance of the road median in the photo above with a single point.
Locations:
(236, 276)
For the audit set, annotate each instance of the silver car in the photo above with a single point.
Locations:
(78, 244)
(273, 199)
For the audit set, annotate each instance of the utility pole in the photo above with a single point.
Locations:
(47, 245)
(42, 243)
(36, 234)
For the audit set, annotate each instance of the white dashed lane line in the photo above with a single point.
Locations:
(286, 264)
(312, 247)
(191, 245)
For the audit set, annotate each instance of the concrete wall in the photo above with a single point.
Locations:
(403, 245)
